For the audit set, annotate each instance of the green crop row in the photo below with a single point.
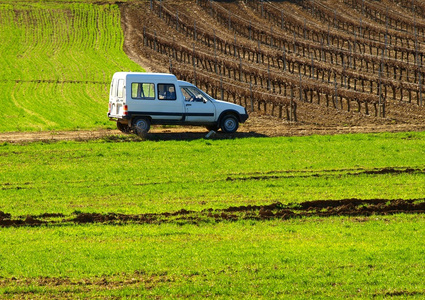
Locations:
(335, 258)
(145, 177)
(57, 61)
(53, 106)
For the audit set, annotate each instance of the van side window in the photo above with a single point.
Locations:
(120, 88)
(166, 91)
(143, 91)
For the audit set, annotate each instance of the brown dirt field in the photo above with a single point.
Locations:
(312, 118)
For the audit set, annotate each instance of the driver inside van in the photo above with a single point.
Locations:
(192, 95)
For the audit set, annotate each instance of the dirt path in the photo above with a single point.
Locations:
(256, 126)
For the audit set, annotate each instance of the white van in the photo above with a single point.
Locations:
(137, 100)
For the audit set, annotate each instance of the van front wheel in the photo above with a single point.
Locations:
(229, 124)
(141, 126)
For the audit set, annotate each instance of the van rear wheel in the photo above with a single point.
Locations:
(141, 126)
(124, 128)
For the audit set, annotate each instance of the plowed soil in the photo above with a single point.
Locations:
(312, 118)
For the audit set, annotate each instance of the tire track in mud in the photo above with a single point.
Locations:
(74, 286)
(325, 173)
(270, 175)
(320, 208)
(138, 278)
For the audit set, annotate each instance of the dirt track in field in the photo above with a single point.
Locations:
(256, 126)
(320, 208)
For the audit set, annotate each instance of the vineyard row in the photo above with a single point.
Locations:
(278, 81)
(357, 35)
(414, 5)
(349, 79)
(345, 59)
(268, 37)
(385, 33)
(303, 89)
(382, 15)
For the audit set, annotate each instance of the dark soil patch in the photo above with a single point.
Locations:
(319, 208)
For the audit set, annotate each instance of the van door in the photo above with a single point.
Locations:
(199, 108)
(168, 106)
(116, 98)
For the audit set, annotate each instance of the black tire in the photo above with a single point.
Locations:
(124, 128)
(141, 126)
(229, 124)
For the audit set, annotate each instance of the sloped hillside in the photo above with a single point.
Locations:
(57, 59)
(326, 63)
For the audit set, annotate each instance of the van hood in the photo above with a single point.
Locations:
(229, 105)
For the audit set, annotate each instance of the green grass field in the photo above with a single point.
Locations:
(57, 61)
(358, 257)
(309, 258)
(141, 177)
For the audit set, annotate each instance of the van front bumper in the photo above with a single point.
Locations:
(243, 117)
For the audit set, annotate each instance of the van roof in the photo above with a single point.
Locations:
(156, 77)
(144, 74)
(182, 82)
